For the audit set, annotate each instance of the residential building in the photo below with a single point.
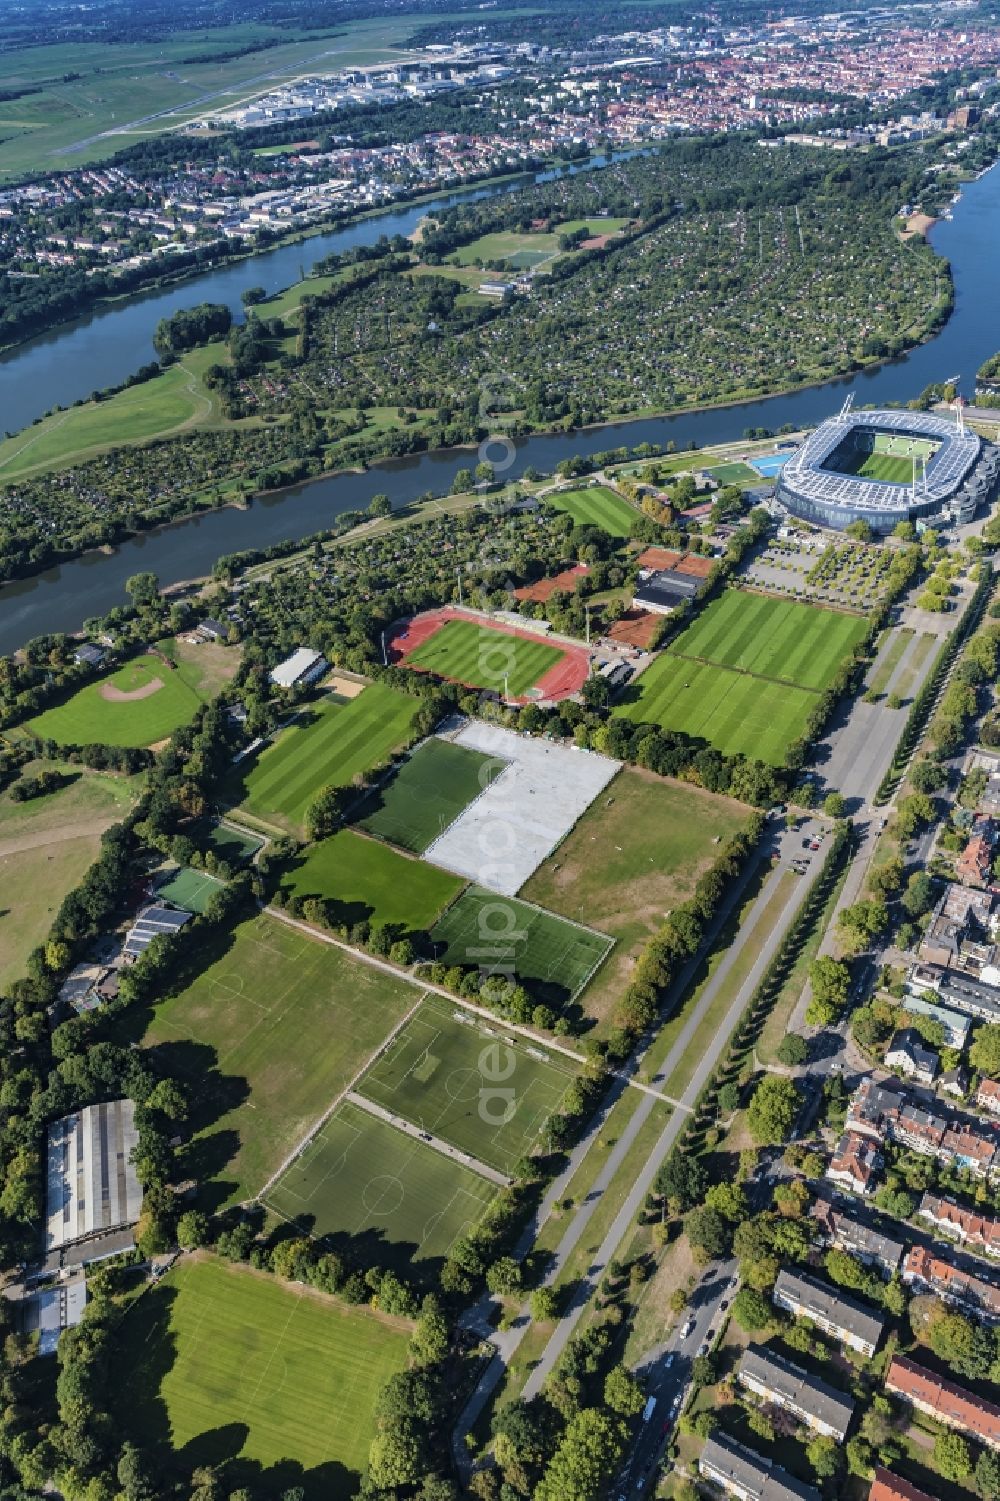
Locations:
(922, 1269)
(91, 1183)
(779, 1381)
(213, 630)
(855, 1162)
(974, 866)
(955, 1082)
(303, 666)
(906, 1052)
(977, 998)
(49, 1309)
(848, 1234)
(889, 1487)
(89, 655)
(955, 1023)
(750, 1476)
(851, 1322)
(884, 1113)
(967, 1226)
(944, 1401)
(988, 1096)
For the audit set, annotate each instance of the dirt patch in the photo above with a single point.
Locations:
(918, 224)
(347, 687)
(158, 745)
(116, 695)
(81, 829)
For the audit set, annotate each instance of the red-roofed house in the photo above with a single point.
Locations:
(922, 1269)
(988, 1096)
(855, 1162)
(944, 1401)
(964, 1225)
(889, 1487)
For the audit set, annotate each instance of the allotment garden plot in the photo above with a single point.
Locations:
(469, 1083)
(427, 793)
(216, 1351)
(330, 743)
(267, 1037)
(509, 830)
(398, 1198)
(746, 675)
(552, 958)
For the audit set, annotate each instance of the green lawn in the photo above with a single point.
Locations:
(364, 879)
(552, 958)
(735, 474)
(459, 1081)
(330, 743)
(400, 1200)
(636, 853)
(772, 638)
(157, 406)
(428, 792)
(735, 712)
(266, 1037)
(239, 1370)
(481, 657)
(595, 505)
(89, 717)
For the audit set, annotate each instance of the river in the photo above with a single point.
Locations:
(61, 598)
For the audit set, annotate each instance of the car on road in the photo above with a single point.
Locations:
(668, 1360)
(687, 1328)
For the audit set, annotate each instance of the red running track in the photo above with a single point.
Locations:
(565, 677)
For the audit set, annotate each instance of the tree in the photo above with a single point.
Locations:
(193, 1230)
(729, 1098)
(251, 296)
(858, 925)
(622, 1393)
(142, 588)
(504, 1277)
(830, 982)
(544, 1304)
(587, 1454)
(792, 1050)
(729, 1200)
(772, 1110)
(462, 482)
(824, 1456)
(751, 1310)
(984, 1054)
(429, 1340)
(860, 530)
(988, 1475)
(682, 1179)
(952, 1458)
(380, 505)
(134, 1475)
(834, 805)
(708, 1234)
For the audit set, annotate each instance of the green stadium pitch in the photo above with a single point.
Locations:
(428, 792)
(456, 651)
(403, 1203)
(551, 957)
(469, 1083)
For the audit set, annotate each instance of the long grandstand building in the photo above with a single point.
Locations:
(888, 466)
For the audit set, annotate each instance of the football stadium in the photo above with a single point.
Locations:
(884, 467)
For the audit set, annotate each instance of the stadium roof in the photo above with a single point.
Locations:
(91, 1184)
(804, 474)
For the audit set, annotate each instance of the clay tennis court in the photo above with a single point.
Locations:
(664, 559)
(635, 628)
(543, 589)
(566, 675)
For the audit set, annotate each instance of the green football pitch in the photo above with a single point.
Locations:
(401, 1200)
(329, 745)
(428, 792)
(243, 1371)
(468, 1083)
(772, 638)
(734, 474)
(190, 889)
(482, 657)
(892, 459)
(552, 958)
(365, 880)
(148, 701)
(265, 1038)
(885, 466)
(595, 505)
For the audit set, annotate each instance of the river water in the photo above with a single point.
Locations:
(61, 598)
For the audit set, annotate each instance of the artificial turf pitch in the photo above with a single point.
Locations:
(265, 1037)
(88, 718)
(330, 744)
(233, 1366)
(468, 1084)
(428, 792)
(484, 658)
(400, 1199)
(190, 889)
(550, 957)
(365, 880)
(595, 505)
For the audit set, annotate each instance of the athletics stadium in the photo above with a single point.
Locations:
(884, 467)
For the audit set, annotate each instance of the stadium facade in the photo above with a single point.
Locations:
(820, 482)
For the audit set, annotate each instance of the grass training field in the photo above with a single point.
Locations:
(330, 743)
(460, 650)
(772, 638)
(190, 889)
(365, 879)
(228, 1364)
(636, 853)
(140, 704)
(428, 793)
(46, 846)
(734, 474)
(467, 1085)
(551, 958)
(267, 1036)
(595, 505)
(735, 712)
(520, 249)
(362, 1177)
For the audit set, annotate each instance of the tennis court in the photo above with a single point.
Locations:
(550, 956)
(469, 1083)
(190, 889)
(401, 1201)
